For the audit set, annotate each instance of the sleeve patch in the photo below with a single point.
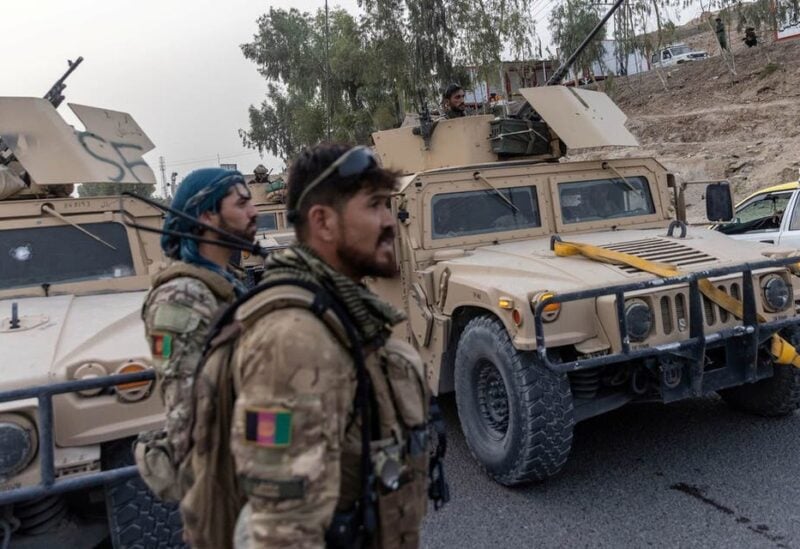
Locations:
(268, 428)
(175, 318)
(292, 488)
(161, 345)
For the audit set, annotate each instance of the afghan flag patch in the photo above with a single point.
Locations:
(270, 428)
(161, 345)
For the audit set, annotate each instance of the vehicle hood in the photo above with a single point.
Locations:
(519, 268)
(62, 331)
(692, 55)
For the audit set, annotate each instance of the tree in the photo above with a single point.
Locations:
(571, 22)
(398, 55)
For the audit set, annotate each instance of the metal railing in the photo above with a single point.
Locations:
(48, 484)
(695, 345)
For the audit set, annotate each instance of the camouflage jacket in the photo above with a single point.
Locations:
(177, 314)
(296, 436)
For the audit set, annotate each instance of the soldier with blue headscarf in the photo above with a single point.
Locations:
(185, 297)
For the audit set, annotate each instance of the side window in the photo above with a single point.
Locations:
(667, 55)
(768, 206)
(479, 212)
(762, 213)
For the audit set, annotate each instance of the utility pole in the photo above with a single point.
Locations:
(163, 167)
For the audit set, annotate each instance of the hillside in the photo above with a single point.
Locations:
(709, 124)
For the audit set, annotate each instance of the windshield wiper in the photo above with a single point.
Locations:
(48, 210)
(477, 176)
(607, 166)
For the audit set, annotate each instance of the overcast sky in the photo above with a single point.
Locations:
(175, 65)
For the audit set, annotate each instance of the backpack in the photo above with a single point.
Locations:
(211, 496)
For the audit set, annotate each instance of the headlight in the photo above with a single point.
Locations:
(551, 310)
(639, 319)
(18, 444)
(776, 293)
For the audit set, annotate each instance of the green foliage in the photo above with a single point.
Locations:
(114, 189)
(400, 54)
(571, 22)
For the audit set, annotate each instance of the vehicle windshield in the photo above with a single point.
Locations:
(679, 50)
(762, 213)
(267, 222)
(478, 212)
(601, 199)
(58, 254)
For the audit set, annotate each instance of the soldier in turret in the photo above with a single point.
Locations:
(453, 101)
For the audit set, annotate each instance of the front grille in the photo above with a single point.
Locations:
(661, 250)
(674, 309)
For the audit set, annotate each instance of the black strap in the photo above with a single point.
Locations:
(438, 488)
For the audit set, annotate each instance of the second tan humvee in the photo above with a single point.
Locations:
(533, 341)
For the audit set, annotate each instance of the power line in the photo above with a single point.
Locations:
(209, 158)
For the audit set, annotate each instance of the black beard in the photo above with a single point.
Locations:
(235, 232)
(364, 264)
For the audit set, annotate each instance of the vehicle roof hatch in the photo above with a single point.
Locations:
(581, 118)
(54, 153)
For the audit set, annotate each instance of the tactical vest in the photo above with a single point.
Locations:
(398, 448)
(152, 451)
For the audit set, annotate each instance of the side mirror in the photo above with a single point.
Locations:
(719, 202)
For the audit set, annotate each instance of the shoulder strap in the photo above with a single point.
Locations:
(217, 283)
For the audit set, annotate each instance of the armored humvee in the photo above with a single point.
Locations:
(76, 382)
(274, 231)
(545, 292)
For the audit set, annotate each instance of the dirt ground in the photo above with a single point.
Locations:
(703, 122)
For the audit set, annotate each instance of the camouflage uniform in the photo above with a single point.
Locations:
(296, 436)
(177, 314)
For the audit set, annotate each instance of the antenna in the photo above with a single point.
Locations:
(163, 167)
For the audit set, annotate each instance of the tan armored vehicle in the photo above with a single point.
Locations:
(72, 281)
(546, 292)
(274, 231)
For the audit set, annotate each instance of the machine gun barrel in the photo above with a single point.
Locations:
(54, 94)
(562, 70)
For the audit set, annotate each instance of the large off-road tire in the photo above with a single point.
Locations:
(516, 414)
(136, 518)
(776, 396)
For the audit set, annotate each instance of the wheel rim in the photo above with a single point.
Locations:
(492, 399)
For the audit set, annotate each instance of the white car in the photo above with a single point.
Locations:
(771, 215)
(675, 55)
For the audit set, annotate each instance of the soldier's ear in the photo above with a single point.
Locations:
(323, 223)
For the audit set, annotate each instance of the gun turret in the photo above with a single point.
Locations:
(54, 94)
(425, 129)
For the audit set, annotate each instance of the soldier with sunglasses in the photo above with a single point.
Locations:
(319, 461)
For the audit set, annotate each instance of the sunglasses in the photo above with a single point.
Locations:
(356, 161)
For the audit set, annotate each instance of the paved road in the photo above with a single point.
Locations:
(691, 474)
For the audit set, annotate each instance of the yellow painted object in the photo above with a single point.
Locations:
(782, 351)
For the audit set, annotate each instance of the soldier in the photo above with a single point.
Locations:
(750, 37)
(181, 304)
(453, 100)
(260, 174)
(719, 29)
(298, 422)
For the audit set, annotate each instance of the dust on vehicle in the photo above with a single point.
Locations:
(72, 281)
(545, 292)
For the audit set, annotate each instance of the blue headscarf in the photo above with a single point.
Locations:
(201, 191)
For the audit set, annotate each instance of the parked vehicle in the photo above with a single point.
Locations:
(676, 54)
(771, 215)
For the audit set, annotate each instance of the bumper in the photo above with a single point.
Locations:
(681, 364)
(48, 485)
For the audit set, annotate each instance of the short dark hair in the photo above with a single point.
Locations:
(334, 191)
(451, 89)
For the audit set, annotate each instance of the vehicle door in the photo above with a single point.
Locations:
(790, 231)
(760, 218)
